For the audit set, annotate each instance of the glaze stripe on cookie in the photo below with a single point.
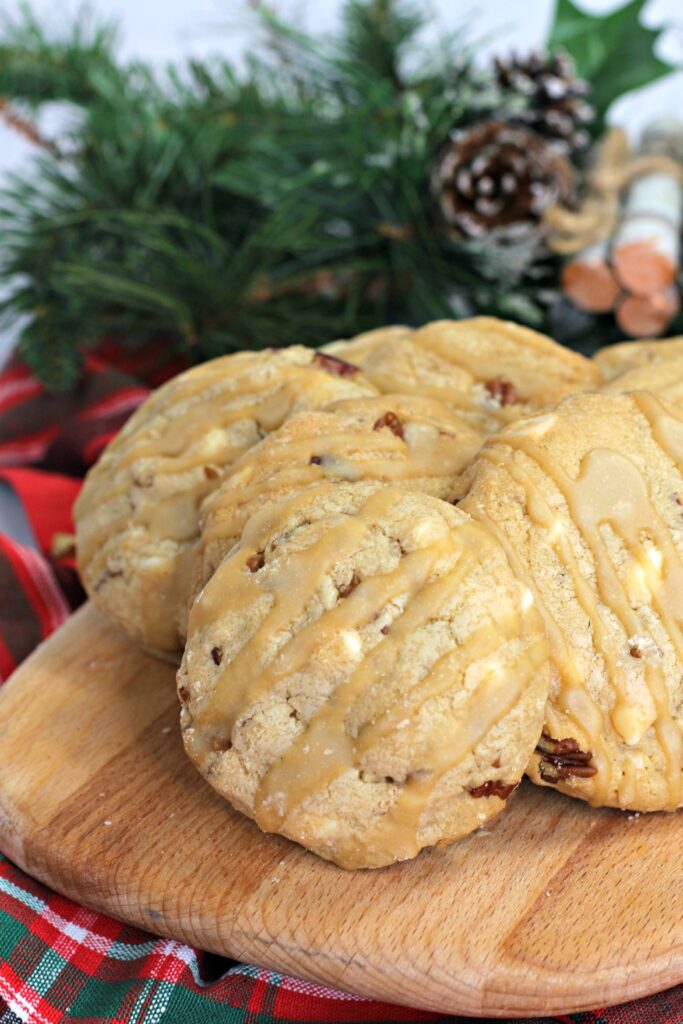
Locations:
(326, 749)
(393, 439)
(610, 493)
(138, 514)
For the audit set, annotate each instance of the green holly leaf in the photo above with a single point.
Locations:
(614, 52)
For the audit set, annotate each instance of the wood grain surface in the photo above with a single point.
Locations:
(552, 908)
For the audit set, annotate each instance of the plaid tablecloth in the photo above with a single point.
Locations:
(60, 961)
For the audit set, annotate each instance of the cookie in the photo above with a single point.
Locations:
(364, 674)
(137, 515)
(663, 376)
(587, 499)
(393, 439)
(613, 360)
(358, 348)
(489, 371)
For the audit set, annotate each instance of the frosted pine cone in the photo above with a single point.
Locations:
(556, 105)
(497, 175)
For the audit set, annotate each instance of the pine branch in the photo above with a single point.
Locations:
(37, 66)
(378, 34)
(221, 211)
(23, 127)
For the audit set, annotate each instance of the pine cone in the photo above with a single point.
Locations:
(496, 175)
(555, 97)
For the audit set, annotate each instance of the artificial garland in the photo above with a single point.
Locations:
(337, 185)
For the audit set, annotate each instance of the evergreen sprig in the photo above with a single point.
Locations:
(222, 212)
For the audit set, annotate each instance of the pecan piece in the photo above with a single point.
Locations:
(558, 748)
(347, 588)
(563, 758)
(502, 391)
(256, 561)
(553, 773)
(390, 420)
(220, 744)
(494, 787)
(334, 365)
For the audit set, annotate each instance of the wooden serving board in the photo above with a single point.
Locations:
(552, 908)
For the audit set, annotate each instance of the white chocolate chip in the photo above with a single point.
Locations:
(655, 556)
(535, 426)
(352, 642)
(556, 530)
(632, 722)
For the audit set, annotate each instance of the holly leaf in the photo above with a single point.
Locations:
(615, 52)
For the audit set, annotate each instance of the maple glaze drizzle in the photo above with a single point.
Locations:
(454, 360)
(335, 451)
(204, 403)
(610, 491)
(325, 750)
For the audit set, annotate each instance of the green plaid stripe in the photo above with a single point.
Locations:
(60, 962)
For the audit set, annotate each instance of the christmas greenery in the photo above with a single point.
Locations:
(294, 202)
(615, 52)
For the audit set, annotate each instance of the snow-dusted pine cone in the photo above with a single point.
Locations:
(496, 175)
(556, 105)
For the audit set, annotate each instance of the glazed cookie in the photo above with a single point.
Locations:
(587, 499)
(613, 360)
(137, 515)
(363, 674)
(489, 371)
(358, 348)
(400, 439)
(663, 376)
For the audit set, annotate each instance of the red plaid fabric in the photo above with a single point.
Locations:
(60, 961)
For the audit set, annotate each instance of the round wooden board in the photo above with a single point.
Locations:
(552, 908)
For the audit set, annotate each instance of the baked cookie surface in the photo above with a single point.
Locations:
(662, 376)
(363, 674)
(489, 371)
(137, 515)
(358, 348)
(587, 499)
(613, 360)
(411, 442)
